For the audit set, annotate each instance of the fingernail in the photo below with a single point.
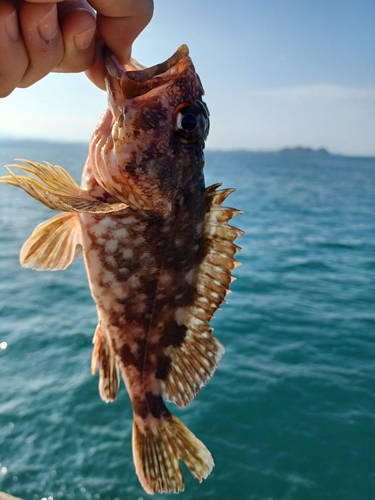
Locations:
(11, 26)
(48, 27)
(84, 40)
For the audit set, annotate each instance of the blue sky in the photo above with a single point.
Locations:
(276, 73)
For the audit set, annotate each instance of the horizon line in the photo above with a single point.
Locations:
(323, 149)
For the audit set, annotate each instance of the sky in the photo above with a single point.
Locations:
(277, 73)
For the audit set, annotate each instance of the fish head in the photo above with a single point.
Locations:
(150, 148)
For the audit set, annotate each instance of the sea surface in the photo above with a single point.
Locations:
(290, 412)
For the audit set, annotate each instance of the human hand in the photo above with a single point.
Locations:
(39, 36)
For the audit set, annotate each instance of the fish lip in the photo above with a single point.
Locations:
(112, 64)
(138, 82)
(146, 74)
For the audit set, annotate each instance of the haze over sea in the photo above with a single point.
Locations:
(290, 412)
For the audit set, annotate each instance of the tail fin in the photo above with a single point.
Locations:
(158, 445)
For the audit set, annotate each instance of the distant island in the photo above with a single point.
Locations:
(300, 151)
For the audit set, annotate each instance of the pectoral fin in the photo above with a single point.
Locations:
(53, 244)
(53, 186)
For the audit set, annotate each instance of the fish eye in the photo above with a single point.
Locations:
(190, 123)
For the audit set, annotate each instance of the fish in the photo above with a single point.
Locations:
(158, 250)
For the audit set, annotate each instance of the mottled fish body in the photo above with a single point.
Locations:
(158, 252)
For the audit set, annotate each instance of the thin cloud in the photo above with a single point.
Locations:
(319, 91)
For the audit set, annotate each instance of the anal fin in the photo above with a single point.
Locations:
(103, 358)
(192, 364)
(53, 244)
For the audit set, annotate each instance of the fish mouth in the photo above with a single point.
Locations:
(135, 83)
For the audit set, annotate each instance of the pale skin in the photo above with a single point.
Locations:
(40, 36)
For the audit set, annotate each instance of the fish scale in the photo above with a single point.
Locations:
(158, 251)
(154, 315)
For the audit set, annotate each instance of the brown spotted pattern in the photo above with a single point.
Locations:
(141, 269)
(142, 262)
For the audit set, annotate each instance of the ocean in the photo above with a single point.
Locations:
(290, 412)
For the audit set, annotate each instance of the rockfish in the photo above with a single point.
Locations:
(158, 251)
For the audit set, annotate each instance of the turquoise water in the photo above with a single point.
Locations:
(290, 412)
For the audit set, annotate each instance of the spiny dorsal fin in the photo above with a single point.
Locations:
(195, 361)
(157, 447)
(53, 244)
(103, 358)
(53, 186)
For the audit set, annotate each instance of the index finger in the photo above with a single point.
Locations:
(120, 22)
(123, 8)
